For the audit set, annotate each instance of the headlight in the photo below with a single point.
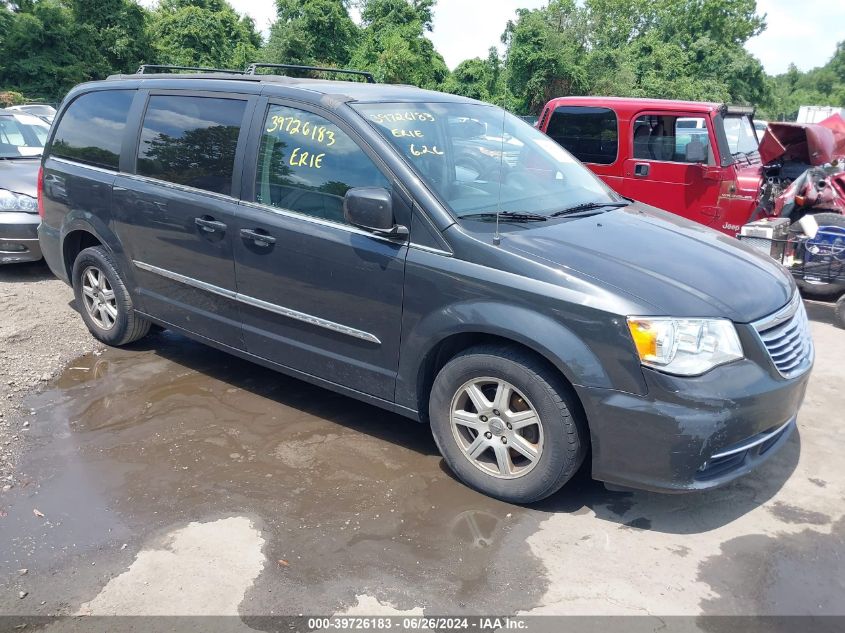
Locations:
(684, 347)
(11, 201)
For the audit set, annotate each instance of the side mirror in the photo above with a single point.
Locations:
(371, 208)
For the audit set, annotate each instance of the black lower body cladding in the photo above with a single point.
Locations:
(695, 434)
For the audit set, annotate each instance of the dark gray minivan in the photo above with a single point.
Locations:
(434, 256)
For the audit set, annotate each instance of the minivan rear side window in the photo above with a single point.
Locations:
(91, 128)
(589, 133)
(191, 141)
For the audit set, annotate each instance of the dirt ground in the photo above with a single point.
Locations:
(39, 333)
(170, 478)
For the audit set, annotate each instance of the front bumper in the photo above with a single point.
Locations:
(19, 237)
(692, 434)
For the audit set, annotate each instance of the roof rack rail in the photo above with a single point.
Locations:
(250, 70)
(145, 69)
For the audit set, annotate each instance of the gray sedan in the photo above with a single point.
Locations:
(22, 138)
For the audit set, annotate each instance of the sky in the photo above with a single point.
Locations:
(804, 33)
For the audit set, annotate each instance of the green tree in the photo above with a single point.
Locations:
(546, 54)
(824, 85)
(203, 33)
(44, 51)
(311, 32)
(687, 49)
(119, 30)
(393, 45)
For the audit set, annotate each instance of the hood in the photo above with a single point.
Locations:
(679, 267)
(20, 175)
(810, 143)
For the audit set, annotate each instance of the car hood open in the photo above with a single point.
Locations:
(679, 267)
(810, 143)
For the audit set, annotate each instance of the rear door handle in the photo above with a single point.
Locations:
(641, 169)
(210, 224)
(259, 237)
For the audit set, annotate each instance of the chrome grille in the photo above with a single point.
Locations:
(786, 336)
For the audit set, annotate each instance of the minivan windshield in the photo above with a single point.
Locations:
(740, 133)
(22, 135)
(480, 160)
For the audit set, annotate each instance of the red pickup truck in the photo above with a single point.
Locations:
(701, 160)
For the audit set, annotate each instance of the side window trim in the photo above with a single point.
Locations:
(132, 133)
(133, 141)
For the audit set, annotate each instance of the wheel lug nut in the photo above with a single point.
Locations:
(495, 412)
(488, 435)
(509, 426)
(504, 440)
(483, 418)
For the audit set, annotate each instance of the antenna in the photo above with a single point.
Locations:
(497, 238)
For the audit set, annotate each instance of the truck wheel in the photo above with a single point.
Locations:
(103, 300)
(839, 312)
(505, 424)
(823, 290)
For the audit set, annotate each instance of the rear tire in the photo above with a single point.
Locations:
(506, 423)
(824, 291)
(104, 301)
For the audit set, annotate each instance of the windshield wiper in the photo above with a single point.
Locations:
(588, 206)
(509, 216)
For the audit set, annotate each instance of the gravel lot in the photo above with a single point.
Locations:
(39, 333)
(170, 478)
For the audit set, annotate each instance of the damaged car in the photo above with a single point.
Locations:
(704, 161)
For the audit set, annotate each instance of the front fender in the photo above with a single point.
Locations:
(546, 336)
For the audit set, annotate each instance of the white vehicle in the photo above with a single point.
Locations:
(815, 114)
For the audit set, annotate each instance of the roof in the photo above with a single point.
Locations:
(340, 90)
(631, 104)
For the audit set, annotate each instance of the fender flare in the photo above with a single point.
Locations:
(544, 335)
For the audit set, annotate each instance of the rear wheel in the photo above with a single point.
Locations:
(103, 299)
(824, 290)
(505, 424)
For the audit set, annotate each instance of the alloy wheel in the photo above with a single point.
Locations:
(99, 299)
(496, 427)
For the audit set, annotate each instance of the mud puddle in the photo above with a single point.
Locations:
(350, 500)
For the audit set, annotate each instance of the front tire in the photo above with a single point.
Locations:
(103, 299)
(506, 424)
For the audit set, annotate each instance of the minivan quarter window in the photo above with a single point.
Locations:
(306, 164)
(91, 129)
(191, 141)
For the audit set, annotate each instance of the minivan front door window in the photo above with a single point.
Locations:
(478, 159)
(306, 164)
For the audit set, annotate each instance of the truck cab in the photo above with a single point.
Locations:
(697, 160)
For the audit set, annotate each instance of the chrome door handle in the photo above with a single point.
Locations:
(210, 225)
(260, 238)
